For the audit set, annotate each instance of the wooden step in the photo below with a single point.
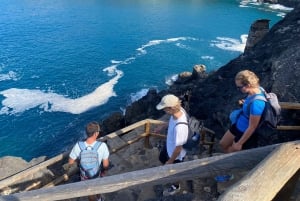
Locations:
(131, 136)
(114, 142)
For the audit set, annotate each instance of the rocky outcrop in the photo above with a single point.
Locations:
(257, 31)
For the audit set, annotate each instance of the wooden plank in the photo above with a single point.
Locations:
(125, 130)
(27, 172)
(268, 178)
(290, 189)
(130, 128)
(73, 170)
(288, 128)
(131, 135)
(290, 105)
(207, 167)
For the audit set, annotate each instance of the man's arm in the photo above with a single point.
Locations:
(71, 161)
(253, 123)
(105, 165)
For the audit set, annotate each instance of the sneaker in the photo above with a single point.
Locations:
(172, 190)
(100, 199)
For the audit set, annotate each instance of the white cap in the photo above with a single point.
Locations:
(168, 101)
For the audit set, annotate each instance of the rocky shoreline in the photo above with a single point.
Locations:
(275, 58)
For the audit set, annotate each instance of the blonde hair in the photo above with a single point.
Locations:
(177, 107)
(247, 77)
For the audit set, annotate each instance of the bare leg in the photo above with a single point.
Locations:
(227, 141)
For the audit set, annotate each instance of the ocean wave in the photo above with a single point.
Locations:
(230, 44)
(20, 100)
(278, 8)
(142, 49)
(171, 79)
(138, 95)
(207, 57)
(11, 75)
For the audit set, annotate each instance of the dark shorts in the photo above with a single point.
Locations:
(164, 157)
(250, 143)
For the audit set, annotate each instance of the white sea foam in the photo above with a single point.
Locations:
(230, 44)
(20, 100)
(207, 57)
(11, 75)
(280, 7)
(171, 79)
(180, 45)
(111, 70)
(138, 95)
(142, 50)
(115, 62)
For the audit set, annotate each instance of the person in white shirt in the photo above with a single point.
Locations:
(177, 135)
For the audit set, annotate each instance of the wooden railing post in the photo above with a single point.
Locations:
(147, 138)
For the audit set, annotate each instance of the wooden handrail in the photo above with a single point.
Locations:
(130, 128)
(289, 105)
(269, 177)
(201, 168)
(29, 171)
(25, 173)
(288, 128)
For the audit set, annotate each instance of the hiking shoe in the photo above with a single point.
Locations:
(172, 190)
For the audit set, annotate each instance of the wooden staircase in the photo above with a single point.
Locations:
(273, 169)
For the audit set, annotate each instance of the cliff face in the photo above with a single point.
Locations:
(275, 59)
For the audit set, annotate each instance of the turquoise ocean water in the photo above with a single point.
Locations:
(64, 63)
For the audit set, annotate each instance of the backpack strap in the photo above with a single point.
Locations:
(81, 145)
(256, 97)
(97, 145)
(185, 123)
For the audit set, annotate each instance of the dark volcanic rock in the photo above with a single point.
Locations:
(275, 59)
(143, 108)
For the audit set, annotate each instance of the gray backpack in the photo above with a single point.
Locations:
(89, 163)
(193, 125)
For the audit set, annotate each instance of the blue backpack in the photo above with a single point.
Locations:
(89, 163)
